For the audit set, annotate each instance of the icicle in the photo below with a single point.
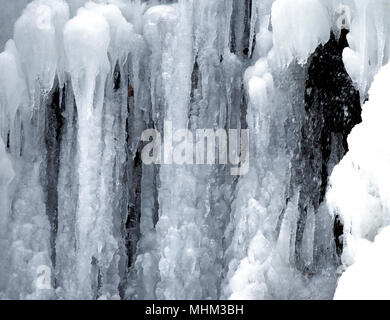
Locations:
(173, 45)
(121, 32)
(169, 231)
(368, 40)
(38, 38)
(87, 38)
(305, 32)
(12, 87)
(7, 174)
(253, 23)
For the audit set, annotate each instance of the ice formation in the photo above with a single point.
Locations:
(305, 31)
(82, 217)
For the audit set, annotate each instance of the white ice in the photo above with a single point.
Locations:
(359, 193)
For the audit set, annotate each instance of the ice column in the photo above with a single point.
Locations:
(260, 254)
(87, 40)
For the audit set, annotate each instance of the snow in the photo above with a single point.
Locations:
(359, 193)
(368, 278)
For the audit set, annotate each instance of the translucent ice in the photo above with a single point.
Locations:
(12, 86)
(368, 38)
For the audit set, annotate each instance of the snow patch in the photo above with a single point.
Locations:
(359, 193)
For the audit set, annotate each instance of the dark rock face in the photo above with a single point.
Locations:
(332, 109)
(54, 124)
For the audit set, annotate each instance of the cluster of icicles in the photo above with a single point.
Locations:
(76, 200)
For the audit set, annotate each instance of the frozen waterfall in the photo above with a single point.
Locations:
(299, 210)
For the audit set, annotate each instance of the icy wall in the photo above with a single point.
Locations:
(83, 217)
